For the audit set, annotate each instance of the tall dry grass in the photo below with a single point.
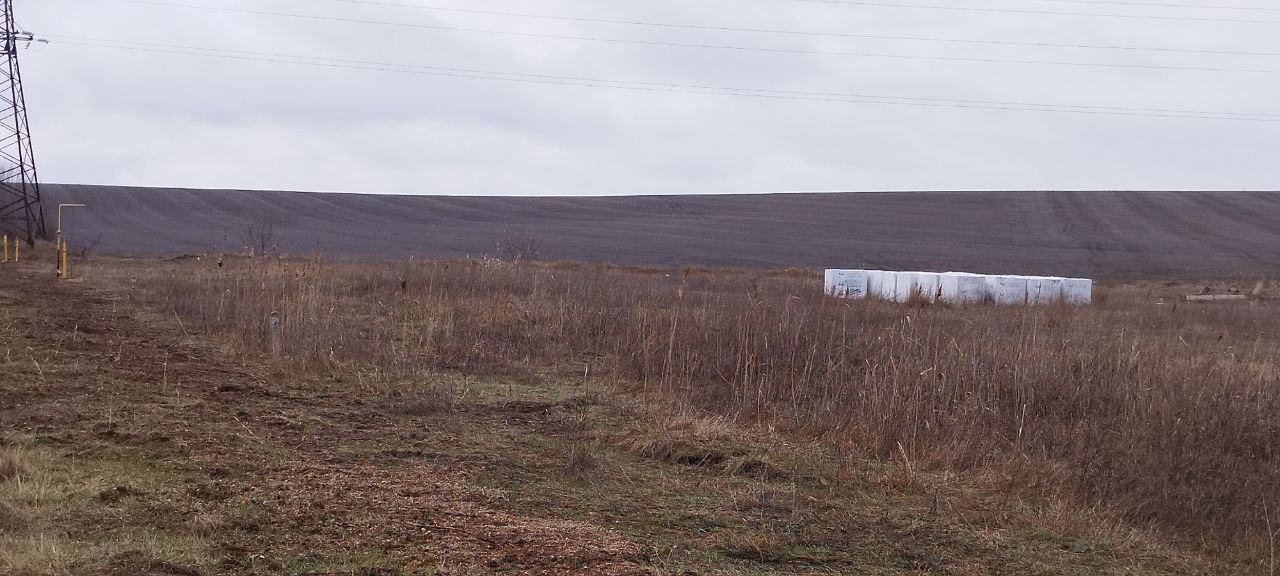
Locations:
(1165, 414)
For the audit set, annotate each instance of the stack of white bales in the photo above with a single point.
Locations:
(882, 284)
(957, 287)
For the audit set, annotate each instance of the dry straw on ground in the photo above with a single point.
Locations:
(1163, 414)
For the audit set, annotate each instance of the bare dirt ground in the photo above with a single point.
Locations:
(1106, 235)
(137, 447)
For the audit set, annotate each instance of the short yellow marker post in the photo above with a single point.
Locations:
(63, 273)
(4, 246)
(62, 246)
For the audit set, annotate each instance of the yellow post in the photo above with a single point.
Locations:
(62, 261)
(4, 246)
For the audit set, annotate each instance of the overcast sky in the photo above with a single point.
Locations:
(105, 115)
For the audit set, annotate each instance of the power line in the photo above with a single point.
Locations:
(706, 46)
(1041, 12)
(1164, 5)
(450, 72)
(806, 33)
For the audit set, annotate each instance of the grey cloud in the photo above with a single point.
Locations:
(119, 117)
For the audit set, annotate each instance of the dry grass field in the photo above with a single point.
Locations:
(474, 417)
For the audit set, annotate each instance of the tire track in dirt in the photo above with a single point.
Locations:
(1221, 204)
(1160, 216)
(1179, 230)
(1174, 225)
(1081, 224)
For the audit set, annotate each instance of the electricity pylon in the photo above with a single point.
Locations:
(20, 208)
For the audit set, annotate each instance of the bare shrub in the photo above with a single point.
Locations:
(259, 237)
(85, 248)
(520, 247)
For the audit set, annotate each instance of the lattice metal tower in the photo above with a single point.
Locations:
(20, 208)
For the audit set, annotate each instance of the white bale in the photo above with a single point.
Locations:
(925, 285)
(880, 284)
(962, 288)
(1077, 291)
(1043, 290)
(883, 285)
(1007, 289)
(846, 283)
(829, 281)
(903, 287)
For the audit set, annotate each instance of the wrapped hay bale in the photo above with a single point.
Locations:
(1077, 291)
(1044, 290)
(962, 288)
(925, 286)
(846, 283)
(1007, 290)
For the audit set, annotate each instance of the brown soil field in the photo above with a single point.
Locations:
(1108, 235)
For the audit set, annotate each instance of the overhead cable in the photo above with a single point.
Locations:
(414, 25)
(1164, 5)
(452, 72)
(802, 33)
(976, 9)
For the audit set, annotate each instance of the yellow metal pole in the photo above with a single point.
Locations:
(4, 246)
(62, 246)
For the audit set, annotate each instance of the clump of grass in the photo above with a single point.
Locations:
(579, 461)
(754, 466)
(764, 547)
(14, 463)
(22, 492)
(421, 400)
(207, 524)
(413, 402)
(673, 449)
(765, 502)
